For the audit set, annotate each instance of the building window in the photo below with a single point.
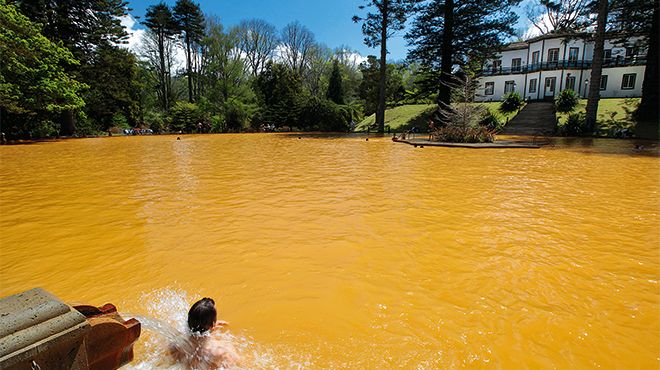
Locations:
(631, 52)
(573, 54)
(553, 55)
(603, 82)
(515, 64)
(535, 57)
(570, 83)
(497, 65)
(532, 85)
(607, 55)
(490, 88)
(628, 81)
(509, 86)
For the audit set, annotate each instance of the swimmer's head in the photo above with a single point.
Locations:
(202, 315)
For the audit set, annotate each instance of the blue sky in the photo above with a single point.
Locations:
(329, 20)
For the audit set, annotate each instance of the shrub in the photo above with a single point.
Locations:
(616, 128)
(458, 134)
(323, 115)
(186, 117)
(566, 101)
(490, 121)
(119, 120)
(155, 121)
(236, 115)
(512, 102)
(574, 126)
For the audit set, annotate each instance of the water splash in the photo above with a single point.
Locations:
(165, 330)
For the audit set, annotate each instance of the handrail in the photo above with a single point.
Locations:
(618, 61)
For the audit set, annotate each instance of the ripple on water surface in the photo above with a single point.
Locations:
(331, 251)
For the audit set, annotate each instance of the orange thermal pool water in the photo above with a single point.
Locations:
(331, 251)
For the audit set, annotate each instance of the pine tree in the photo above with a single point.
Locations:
(388, 16)
(335, 84)
(449, 33)
(190, 21)
(160, 21)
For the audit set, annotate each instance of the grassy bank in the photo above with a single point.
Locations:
(404, 117)
(608, 109)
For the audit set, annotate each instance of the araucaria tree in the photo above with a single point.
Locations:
(190, 22)
(449, 34)
(160, 21)
(385, 18)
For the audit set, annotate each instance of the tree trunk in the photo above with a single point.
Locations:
(189, 69)
(648, 125)
(68, 125)
(163, 74)
(382, 85)
(444, 91)
(596, 68)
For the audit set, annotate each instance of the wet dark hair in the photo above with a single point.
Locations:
(202, 315)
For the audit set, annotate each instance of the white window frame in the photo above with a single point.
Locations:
(626, 81)
(573, 81)
(490, 91)
(532, 85)
(511, 83)
(556, 53)
(514, 67)
(603, 86)
(577, 54)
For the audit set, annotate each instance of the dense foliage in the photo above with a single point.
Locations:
(34, 83)
(511, 102)
(566, 101)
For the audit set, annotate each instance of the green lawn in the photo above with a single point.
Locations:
(404, 117)
(607, 109)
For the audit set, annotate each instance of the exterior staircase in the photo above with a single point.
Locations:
(536, 118)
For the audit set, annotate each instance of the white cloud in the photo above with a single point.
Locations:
(135, 35)
(136, 40)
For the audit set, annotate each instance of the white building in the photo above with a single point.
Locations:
(541, 67)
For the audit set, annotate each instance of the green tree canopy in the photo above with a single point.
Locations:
(336, 84)
(33, 80)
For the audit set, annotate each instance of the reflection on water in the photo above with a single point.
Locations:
(332, 251)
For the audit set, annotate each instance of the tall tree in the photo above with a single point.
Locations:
(278, 90)
(369, 89)
(335, 84)
(297, 46)
(33, 82)
(642, 17)
(648, 112)
(596, 66)
(190, 22)
(258, 40)
(120, 91)
(224, 73)
(387, 17)
(559, 15)
(457, 33)
(82, 26)
(160, 21)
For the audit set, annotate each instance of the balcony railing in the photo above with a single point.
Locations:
(565, 64)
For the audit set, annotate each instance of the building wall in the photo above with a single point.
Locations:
(585, 53)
